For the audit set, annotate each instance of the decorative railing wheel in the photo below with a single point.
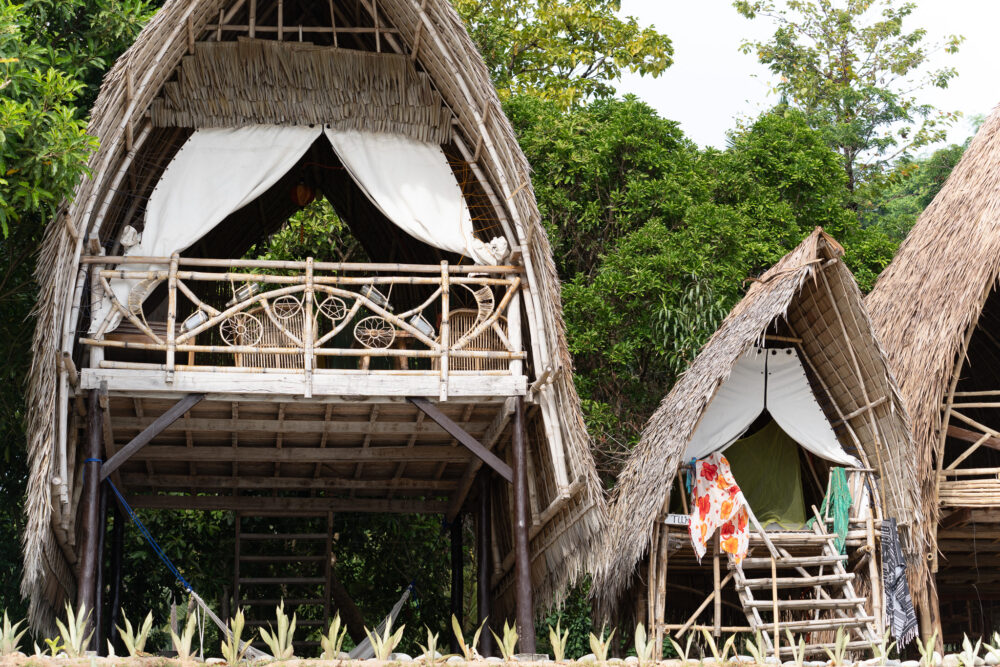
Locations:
(286, 307)
(334, 308)
(241, 329)
(375, 333)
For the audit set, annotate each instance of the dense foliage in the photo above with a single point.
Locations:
(653, 236)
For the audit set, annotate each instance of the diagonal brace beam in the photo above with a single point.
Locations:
(175, 412)
(460, 434)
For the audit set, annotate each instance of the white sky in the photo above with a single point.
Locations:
(711, 83)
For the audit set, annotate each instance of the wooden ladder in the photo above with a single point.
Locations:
(292, 566)
(826, 598)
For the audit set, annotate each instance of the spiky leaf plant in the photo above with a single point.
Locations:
(799, 652)
(643, 647)
(558, 639)
(334, 639)
(280, 640)
(508, 643)
(182, 644)
(386, 643)
(233, 647)
(468, 650)
(600, 646)
(10, 638)
(72, 632)
(429, 650)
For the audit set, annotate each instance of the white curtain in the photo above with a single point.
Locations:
(215, 172)
(413, 185)
(735, 406)
(793, 406)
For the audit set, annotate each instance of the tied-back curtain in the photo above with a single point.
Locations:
(735, 406)
(413, 185)
(792, 404)
(215, 172)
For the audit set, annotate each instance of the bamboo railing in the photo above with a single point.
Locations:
(290, 314)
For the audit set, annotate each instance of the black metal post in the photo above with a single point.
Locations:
(99, 629)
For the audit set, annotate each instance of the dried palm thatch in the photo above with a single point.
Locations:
(927, 303)
(433, 37)
(812, 295)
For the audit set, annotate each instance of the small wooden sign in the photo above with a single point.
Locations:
(677, 520)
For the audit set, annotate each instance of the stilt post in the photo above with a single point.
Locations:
(483, 552)
(522, 556)
(86, 596)
(100, 629)
(457, 573)
(117, 547)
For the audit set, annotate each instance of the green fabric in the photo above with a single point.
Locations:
(838, 504)
(766, 467)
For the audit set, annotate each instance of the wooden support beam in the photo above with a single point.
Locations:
(281, 504)
(302, 454)
(522, 551)
(159, 424)
(182, 482)
(286, 426)
(90, 508)
(966, 435)
(955, 519)
(460, 434)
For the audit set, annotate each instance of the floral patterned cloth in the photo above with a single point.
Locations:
(718, 503)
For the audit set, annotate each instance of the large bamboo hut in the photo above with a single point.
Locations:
(792, 386)
(431, 375)
(935, 309)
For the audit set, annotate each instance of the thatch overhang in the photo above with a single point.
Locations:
(139, 132)
(811, 295)
(927, 303)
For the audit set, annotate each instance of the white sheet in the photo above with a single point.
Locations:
(413, 185)
(793, 406)
(735, 406)
(215, 172)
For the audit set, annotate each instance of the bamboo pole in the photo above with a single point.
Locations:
(445, 330)
(301, 264)
(776, 612)
(171, 318)
(307, 326)
(716, 584)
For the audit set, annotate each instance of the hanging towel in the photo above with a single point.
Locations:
(838, 504)
(718, 503)
(899, 614)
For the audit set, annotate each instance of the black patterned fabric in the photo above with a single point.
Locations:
(899, 615)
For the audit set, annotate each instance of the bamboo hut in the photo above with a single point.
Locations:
(792, 386)
(432, 377)
(934, 309)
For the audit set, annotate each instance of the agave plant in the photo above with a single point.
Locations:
(927, 650)
(967, 657)
(280, 640)
(334, 639)
(468, 651)
(182, 644)
(798, 651)
(720, 658)
(72, 633)
(508, 643)
(385, 643)
(233, 647)
(136, 642)
(882, 648)
(757, 648)
(840, 641)
(643, 647)
(558, 639)
(10, 638)
(430, 652)
(600, 646)
(994, 648)
(686, 651)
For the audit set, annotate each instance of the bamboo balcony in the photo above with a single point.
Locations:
(306, 328)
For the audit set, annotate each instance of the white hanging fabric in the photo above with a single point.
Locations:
(413, 185)
(216, 172)
(735, 406)
(792, 404)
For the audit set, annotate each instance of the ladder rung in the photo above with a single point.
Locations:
(283, 536)
(799, 582)
(274, 603)
(793, 561)
(839, 603)
(283, 580)
(280, 559)
(820, 624)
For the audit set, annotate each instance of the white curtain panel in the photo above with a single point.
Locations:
(793, 406)
(413, 185)
(735, 406)
(215, 172)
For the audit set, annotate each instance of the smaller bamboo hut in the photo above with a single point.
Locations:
(795, 388)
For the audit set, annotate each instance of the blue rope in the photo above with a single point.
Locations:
(149, 538)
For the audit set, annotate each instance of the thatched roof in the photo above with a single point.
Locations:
(794, 293)
(927, 300)
(433, 33)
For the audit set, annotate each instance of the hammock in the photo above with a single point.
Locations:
(362, 651)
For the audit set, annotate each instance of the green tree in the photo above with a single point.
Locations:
(854, 69)
(564, 50)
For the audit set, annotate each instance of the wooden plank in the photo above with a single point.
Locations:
(966, 435)
(796, 582)
(301, 454)
(236, 503)
(460, 434)
(154, 429)
(954, 519)
(285, 426)
(181, 482)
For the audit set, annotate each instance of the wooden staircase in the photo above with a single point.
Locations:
(292, 564)
(805, 588)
